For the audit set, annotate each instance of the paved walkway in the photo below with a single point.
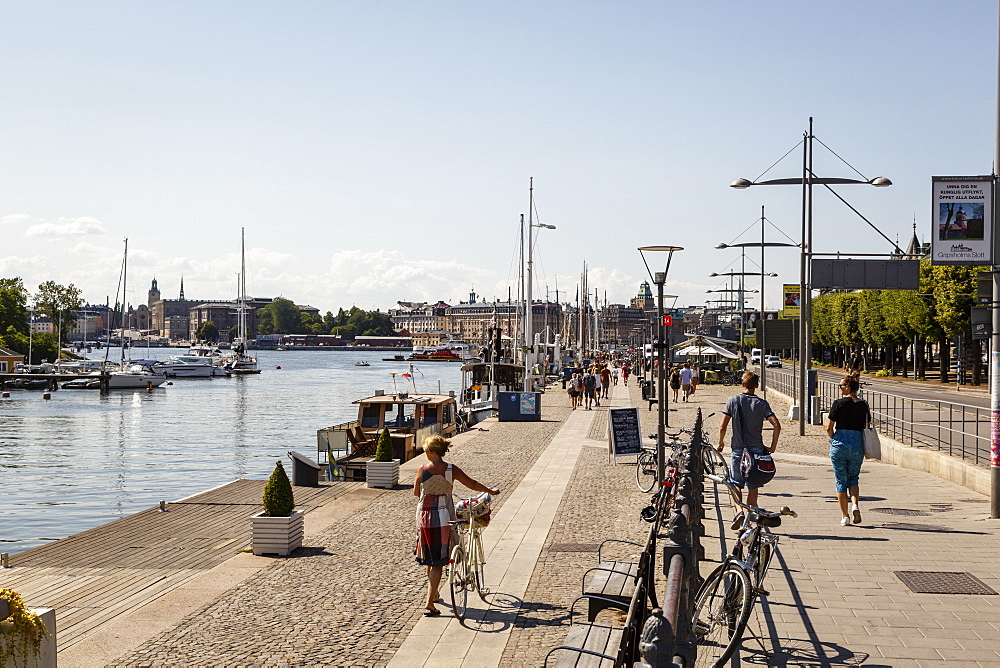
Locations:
(512, 545)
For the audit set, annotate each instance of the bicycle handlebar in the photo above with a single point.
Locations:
(785, 510)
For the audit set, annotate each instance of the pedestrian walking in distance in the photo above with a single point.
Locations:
(589, 387)
(845, 423)
(434, 483)
(686, 374)
(675, 382)
(748, 413)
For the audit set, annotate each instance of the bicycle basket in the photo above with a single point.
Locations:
(478, 508)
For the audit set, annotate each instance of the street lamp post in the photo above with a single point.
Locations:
(661, 345)
(807, 181)
(762, 245)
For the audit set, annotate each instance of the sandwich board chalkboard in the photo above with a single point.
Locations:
(624, 439)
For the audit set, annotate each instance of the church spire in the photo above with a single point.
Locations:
(182, 287)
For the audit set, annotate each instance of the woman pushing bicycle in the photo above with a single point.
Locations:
(435, 511)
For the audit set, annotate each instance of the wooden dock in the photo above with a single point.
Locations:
(98, 575)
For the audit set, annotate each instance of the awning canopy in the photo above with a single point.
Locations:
(699, 346)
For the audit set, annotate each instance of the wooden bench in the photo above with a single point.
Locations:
(591, 645)
(616, 580)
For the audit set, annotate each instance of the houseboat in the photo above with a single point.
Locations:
(409, 417)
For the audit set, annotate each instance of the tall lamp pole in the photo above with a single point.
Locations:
(760, 325)
(807, 181)
(661, 345)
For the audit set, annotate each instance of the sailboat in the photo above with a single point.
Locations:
(131, 375)
(240, 361)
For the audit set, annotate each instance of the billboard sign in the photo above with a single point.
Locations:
(791, 298)
(962, 215)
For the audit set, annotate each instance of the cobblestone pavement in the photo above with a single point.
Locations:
(600, 502)
(350, 597)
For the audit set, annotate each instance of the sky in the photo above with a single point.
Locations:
(381, 151)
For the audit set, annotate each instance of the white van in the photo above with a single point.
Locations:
(755, 355)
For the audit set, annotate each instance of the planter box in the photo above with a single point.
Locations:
(382, 474)
(276, 535)
(46, 657)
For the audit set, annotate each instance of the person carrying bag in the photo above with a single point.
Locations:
(846, 422)
(750, 412)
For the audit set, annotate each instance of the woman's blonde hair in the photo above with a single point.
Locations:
(437, 444)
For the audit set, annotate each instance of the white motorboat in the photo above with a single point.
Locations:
(190, 366)
(134, 376)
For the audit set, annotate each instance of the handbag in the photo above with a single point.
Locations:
(873, 447)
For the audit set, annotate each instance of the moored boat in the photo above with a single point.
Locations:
(449, 351)
(190, 366)
(409, 417)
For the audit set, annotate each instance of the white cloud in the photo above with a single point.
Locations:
(66, 227)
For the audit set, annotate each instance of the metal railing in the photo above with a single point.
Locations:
(960, 430)
(668, 636)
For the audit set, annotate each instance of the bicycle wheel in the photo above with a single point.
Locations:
(458, 582)
(645, 471)
(721, 611)
(727, 379)
(713, 462)
(478, 579)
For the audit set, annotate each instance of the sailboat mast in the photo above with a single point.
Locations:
(124, 284)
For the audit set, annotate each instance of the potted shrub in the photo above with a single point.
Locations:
(383, 471)
(25, 638)
(279, 529)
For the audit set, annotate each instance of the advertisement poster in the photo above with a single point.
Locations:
(528, 403)
(962, 216)
(791, 301)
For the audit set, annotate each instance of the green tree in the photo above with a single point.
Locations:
(384, 451)
(207, 331)
(13, 305)
(60, 303)
(954, 296)
(42, 346)
(281, 316)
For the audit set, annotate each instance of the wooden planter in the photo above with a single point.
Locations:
(382, 474)
(276, 535)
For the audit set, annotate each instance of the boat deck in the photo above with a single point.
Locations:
(100, 574)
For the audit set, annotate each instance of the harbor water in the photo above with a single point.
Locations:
(82, 459)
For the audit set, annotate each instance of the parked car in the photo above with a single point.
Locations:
(773, 361)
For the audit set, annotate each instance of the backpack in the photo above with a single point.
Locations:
(589, 381)
(757, 469)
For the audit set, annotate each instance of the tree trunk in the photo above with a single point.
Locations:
(977, 361)
(944, 358)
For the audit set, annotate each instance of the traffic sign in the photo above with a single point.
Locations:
(668, 320)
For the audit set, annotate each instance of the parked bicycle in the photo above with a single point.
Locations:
(465, 573)
(724, 601)
(732, 378)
